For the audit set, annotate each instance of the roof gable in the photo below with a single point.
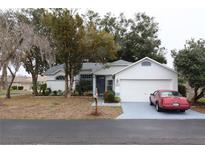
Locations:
(120, 62)
(143, 59)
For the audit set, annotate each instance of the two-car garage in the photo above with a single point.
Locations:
(139, 90)
(137, 81)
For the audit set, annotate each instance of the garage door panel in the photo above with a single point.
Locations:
(139, 90)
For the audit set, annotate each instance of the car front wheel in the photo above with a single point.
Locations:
(158, 108)
(150, 102)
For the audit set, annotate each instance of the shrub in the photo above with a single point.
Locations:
(43, 88)
(48, 91)
(78, 89)
(109, 96)
(88, 93)
(182, 89)
(20, 87)
(14, 87)
(74, 94)
(60, 93)
(83, 86)
(117, 99)
(54, 93)
(57, 93)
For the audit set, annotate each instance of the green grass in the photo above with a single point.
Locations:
(201, 100)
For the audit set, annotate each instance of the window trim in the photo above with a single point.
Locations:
(146, 63)
(86, 77)
(60, 78)
(110, 85)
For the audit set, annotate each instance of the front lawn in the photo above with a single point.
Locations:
(53, 107)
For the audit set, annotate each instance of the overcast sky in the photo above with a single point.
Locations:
(176, 24)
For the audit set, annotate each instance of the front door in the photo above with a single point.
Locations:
(101, 85)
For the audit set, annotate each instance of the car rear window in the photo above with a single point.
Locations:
(169, 94)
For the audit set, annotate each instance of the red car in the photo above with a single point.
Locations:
(169, 100)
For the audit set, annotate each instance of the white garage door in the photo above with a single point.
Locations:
(139, 90)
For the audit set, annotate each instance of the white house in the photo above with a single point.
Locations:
(131, 81)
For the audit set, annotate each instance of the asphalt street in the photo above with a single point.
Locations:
(102, 131)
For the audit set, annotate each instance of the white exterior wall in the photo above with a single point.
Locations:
(58, 84)
(153, 72)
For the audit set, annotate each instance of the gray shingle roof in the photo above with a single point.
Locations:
(109, 70)
(92, 67)
(86, 66)
(112, 68)
(54, 69)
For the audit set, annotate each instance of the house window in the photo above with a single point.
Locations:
(87, 77)
(60, 77)
(146, 63)
(109, 84)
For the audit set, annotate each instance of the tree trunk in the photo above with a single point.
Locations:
(66, 86)
(71, 84)
(196, 95)
(4, 82)
(8, 92)
(194, 99)
(66, 80)
(35, 87)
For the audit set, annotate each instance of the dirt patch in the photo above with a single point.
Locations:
(53, 107)
(199, 108)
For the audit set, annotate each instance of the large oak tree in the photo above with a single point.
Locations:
(137, 37)
(76, 41)
(38, 54)
(190, 63)
(10, 47)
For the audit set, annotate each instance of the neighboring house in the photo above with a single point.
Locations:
(21, 81)
(131, 81)
(25, 81)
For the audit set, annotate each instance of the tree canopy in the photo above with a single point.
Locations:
(137, 37)
(190, 63)
(61, 36)
(76, 41)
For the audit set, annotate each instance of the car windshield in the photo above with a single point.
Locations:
(169, 94)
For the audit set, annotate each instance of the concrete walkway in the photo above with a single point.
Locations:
(142, 110)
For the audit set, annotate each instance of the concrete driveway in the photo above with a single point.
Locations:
(142, 110)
